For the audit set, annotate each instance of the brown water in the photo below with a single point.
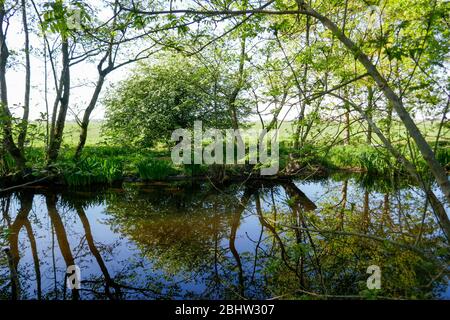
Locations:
(254, 241)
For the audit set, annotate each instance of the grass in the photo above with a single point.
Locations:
(370, 159)
(72, 134)
(155, 169)
(37, 130)
(91, 171)
(6, 164)
(326, 129)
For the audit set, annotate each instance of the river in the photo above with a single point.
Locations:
(300, 239)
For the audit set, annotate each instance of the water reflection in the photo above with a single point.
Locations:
(306, 240)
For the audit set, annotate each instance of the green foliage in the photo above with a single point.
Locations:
(375, 161)
(309, 154)
(59, 16)
(157, 99)
(6, 164)
(370, 159)
(443, 156)
(154, 169)
(91, 171)
(109, 151)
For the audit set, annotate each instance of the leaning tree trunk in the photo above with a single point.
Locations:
(436, 169)
(87, 116)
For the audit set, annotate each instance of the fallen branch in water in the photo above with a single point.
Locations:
(23, 185)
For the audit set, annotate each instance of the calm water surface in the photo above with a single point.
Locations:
(247, 241)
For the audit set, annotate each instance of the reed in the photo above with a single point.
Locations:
(154, 169)
(93, 170)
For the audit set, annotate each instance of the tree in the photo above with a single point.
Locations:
(111, 40)
(161, 97)
(26, 106)
(7, 10)
(57, 19)
(105, 42)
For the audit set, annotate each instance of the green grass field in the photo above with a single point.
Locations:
(72, 134)
(320, 133)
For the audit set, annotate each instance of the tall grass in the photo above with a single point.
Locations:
(375, 162)
(154, 169)
(93, 170)
(7, 164)
(370, 159)
(443, 156)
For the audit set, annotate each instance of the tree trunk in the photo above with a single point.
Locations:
(369, 113)
(26, 106)
(57, 135)
(87, 115)
(5, 114)
(238, 88)
(299, 138)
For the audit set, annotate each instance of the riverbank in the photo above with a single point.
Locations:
(108, 165)
(11, 183)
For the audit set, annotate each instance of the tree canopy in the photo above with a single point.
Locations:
(160, 98)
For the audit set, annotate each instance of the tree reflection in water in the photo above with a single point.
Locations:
(291, 240)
